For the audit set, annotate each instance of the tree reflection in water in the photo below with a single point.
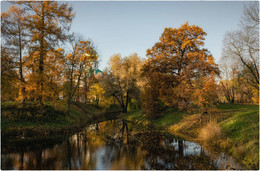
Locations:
(113, 144)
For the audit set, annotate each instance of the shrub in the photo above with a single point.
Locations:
(210, 132)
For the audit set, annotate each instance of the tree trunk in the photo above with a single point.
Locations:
(121, 103)
(71, 92)
(86, 89)
(124, 127)
(21, 68)
(69, 101)
(97, 101)
(41, 80)
(70, 85)
(42, 53)
(126, 102)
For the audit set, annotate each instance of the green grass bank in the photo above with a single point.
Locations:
(233, 128)
(29, 120)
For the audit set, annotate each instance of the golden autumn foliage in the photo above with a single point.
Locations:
(255, 97)
(178, 61)
(32, 32)
(15, 38)
(205, 96)
(120, 80)
(79, 68)
(179, 72)
(9, 88)
(149, 96)
(47, 23)
(96, 93)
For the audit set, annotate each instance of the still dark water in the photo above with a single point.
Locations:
(106, 146)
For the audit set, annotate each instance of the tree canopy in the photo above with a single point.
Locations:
(178, 61)
(120, 79)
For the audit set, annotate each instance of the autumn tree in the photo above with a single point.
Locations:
(9, 76)
(78, 62)
(55, 73)
(178, 60)
(96, 93)
(245, 93)
(228, 88)
(229, 72)
(89, 78)
(120, 79)
(151, 104)
(206, 93)
(242, 46)
(15, 38)
(47, 23)
(74, 69)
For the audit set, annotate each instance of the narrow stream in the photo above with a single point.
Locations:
(106, 146)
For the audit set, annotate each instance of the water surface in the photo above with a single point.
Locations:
(107, 146)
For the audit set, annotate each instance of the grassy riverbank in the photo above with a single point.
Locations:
(233, 128)
(31, 120)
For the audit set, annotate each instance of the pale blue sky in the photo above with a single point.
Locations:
(127, 27)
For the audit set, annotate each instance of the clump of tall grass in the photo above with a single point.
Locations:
(210, 132)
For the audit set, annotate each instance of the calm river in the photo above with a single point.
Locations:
(106, 146)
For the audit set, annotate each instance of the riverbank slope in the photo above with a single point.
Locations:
(31, 120)
(233, 128)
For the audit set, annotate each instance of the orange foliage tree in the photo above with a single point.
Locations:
(48, 23)
(179, 61)
(15, 38)
(205, 94)
(9, 88)
(78, 62)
